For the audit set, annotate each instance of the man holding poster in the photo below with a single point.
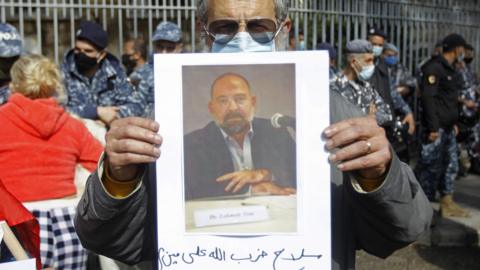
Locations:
(377, 204)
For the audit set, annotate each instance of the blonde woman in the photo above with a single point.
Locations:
(40, 147)
(41, 143)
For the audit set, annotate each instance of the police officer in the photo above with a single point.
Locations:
(95, 83)
(468, 94)
(468, 116)
(380, 79)
(401, 82)
(352, 82)
(438, 163)
(10, 50)
(134, 55)
(167, 38)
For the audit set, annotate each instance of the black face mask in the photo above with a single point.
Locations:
(468, 60)
(84, 63)
(5, 66)
(128, 63)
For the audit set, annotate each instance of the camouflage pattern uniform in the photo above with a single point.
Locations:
(143, 83)
(363, 95)
(4, 94)
(108, 87)
(10, 46)
(142, 79)
(167, 31)
(468, 92)
(400, 76)
(438, 166)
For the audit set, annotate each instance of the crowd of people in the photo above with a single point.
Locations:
(446, 90)
(44, 109)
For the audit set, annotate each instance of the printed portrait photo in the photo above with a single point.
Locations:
(240, 149)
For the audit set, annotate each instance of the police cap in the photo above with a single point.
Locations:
(453, 41)
(10, 41)
(359, 46)
(93, 33)
(167, 31)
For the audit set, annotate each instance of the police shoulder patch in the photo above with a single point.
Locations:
(432, 79)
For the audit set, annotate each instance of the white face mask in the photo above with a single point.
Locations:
(302, 45)
(366, 73)
(377, 51)
(243, 42)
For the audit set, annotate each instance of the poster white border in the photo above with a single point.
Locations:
(310, 247)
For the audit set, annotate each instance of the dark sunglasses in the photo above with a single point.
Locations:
(262, 30)
(165, 45)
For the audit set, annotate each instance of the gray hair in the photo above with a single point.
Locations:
(281, 10)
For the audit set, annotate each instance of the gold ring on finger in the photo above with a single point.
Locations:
(369, 147)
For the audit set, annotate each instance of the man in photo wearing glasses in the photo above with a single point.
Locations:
(377, 204)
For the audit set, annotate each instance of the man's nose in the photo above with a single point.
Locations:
(232, 105)
(242, 26)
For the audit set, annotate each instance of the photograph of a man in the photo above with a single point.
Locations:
(237, 153)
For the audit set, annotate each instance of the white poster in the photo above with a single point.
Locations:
(19, 265)
(243, 181)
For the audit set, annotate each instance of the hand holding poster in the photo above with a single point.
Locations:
(248, 185)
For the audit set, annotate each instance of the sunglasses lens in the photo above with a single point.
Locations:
(263, 38)
(223, 30)
(261, 30)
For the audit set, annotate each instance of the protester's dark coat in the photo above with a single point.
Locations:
(379, 222)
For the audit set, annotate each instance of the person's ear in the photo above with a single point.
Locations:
(254, 101)
(210, 107)
(355, 65)
(287, 25)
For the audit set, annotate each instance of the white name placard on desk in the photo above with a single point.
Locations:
(243, 181)
(223, 216)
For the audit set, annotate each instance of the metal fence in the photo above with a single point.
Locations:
(48, 26)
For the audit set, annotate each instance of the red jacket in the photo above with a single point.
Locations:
(40, 145)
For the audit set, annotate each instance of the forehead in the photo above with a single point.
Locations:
(230, 85)
(240, 9)
(84, 45)
(129, 44)
(376, 39)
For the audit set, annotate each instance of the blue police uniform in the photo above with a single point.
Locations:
(10, 47)
(364, 96)
(143, 83)
(399, 76)
(108, 87)
(4, 94)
